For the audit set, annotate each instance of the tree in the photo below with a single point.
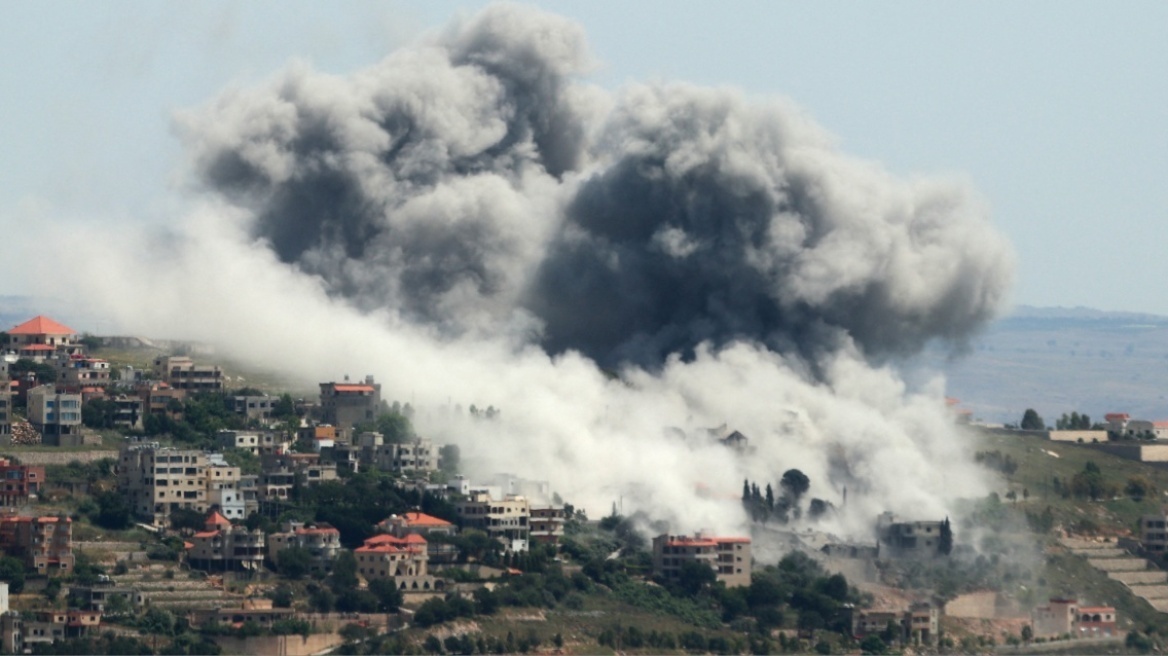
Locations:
(181, 518)
(695, 576)
(945, 541)
(1031, 420)
(795, 483)
(448, 457)
(344, 571)
(295, 562)
(389, 597)
(1139, 487)
(12, 571)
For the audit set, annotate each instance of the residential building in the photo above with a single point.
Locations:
(42, 331)
(506, 519)
(22, 632)
(128, 411)
(321, 436)
(429, 527)
(77, 370)
(161, 399)
(322, 541)
(254, 407)
(371, 451)
(181, 372)
(1065, 617)
(919, 624)
(911, 539)
(547, 524)
(1154, 532)
(729, 557)
(257, 443)
(1117, 422)
(99, 596)
(20, 484)
(1144, 429)
(223, 491)
(157, 480)
(5, 410)
(306, 467)
(44, 543)
(225, 546)
(402, 560)
(345, 405)
(55, 415)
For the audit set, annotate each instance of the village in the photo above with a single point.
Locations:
(260, 538)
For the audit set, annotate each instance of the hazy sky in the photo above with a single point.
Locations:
(1054, 111)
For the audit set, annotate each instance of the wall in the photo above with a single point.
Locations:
(293, 645)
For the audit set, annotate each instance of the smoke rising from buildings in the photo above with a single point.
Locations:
(470, 220)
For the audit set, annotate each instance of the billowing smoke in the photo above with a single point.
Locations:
(472, 222)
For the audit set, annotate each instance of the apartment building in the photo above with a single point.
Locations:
(507, 519)
(20, 484)
(223, 490)
(307, 467)
(371, 451)
(1154, 532)
(322, 541)
(254, 407)
(157, 480)
(910, 539)
(45, 544)
(1065, 616)
(729, 557)
(345, 405)
(224, 546)
(181, 372)
(161, 399)
(21, 633)
(128, 411)
(917, 625)
(405, 561)
(257, 443)
(54, 414)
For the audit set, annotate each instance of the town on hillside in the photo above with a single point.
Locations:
(150, 506)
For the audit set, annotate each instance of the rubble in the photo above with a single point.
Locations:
(24, 434)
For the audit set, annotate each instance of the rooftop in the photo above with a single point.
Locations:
(42, 325)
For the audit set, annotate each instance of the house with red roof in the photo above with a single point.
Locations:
(322, 541)
(427, 526)
(405, 561)
(225, 546)
(41, 331)
(45, 544)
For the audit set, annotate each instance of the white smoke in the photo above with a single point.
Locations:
(465, 219)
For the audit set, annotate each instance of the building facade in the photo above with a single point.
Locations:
(405, 561)
(345, 405)
(181, 372)
(54, 414)
(323, 543)
(729, 557)
(20, 484)
(44, 543)
(157, 480)
(224, 546)
(507, 519)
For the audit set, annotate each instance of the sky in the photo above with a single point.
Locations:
(1054, 112)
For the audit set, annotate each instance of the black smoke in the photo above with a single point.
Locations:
(473, 183)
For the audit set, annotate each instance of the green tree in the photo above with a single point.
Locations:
(1031, 420)
(344, 572)
(795, 483)
(295, 562)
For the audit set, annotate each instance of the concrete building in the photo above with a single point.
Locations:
(20, 484)
(345, 405)
(506, 519)
(254, 407)
(99, 596)
(1117, 422)
(1065, 617)
(44, 543)
(55, 415)
(157, 480)
(224, 546)
(322, 541)
(181, 372)
(128, 411)
(910, 539)
(307, 468)
(429, 527)
(223, 491)
(918, 625)
(23, 632)
(5, 410)
(257, 443)
(729, 557)
(1154, 532)
(78, 370)
(547, 524)
(402, 560)
(161, 399)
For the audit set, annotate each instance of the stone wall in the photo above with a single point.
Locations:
(58, 457)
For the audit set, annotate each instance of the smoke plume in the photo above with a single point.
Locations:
(471, 220)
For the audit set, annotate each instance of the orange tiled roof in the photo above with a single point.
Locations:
(421, 520)
(215, 519)
(42, 325)
(206, 534)
(353, 388)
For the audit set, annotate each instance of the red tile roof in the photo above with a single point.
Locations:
(215, 519)
(420, 519)
(353, 388)
(42, 325)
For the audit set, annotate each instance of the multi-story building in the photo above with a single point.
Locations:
(161, 399)
(223, 490)
(307, 467)
(345, 405)
(402, 560)
(911, 539)
(547, 524)
(729, 557)
(44, 543)
(21, 633)
(427, 526)
(258, 443)
(20, 484)
(182, 373)
(128, 411)
(254, 407)
(157, 480)
(42, 331)
(1065, 617)
(321, 436)
(5, 410)
(506, 519)
(224, 546)
(77, 371)
(323, 543)
(56, 415)
(917, 625)
(371, 451)
(1154, 532)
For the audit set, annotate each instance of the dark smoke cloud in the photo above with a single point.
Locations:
(472, 183)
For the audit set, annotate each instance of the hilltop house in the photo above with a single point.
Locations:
(729, 557)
